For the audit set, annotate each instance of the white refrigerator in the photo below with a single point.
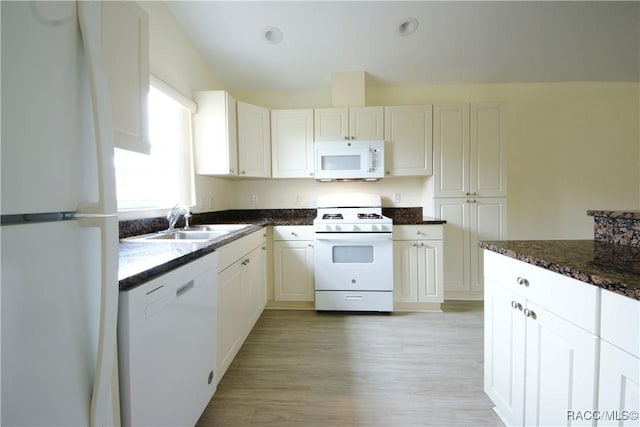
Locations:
(59, 237)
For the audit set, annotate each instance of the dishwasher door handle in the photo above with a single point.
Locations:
(184, 289)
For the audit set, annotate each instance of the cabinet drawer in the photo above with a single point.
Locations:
(568, 298)
(417, 232)
(293, 232)
(620, 321)
(230, 253)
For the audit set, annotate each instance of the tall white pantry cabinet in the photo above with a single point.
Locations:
(469, 189)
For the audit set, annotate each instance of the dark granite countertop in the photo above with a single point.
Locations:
(141, 262)
(603, 264)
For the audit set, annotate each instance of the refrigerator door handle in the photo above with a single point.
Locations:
(103, 395)
(89, 16)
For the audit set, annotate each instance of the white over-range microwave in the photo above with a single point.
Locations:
(349, 160)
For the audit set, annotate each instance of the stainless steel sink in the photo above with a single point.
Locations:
(187, 235)
(195, 233)
(227, 228)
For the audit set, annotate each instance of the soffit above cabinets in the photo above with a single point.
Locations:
(453, 43)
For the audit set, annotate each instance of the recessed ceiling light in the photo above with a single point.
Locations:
(408, 26)
(272, 35)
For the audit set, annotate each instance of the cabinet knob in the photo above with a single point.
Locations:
(293, 233)
(516, 305)
(243, 172)
(310, 173)
(530, 313)
(418, 232)
(232, 170)
(310, 245)
(522, 281)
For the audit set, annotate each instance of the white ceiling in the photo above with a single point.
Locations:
(455, 43)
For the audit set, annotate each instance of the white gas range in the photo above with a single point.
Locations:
(353, 254)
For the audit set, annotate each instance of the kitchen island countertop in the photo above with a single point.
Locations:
(603, 264)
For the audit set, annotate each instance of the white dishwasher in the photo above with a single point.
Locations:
(167, 346)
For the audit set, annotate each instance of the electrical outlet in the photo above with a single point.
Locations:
(211, 202)
(396, 197)
(298, 199)
(254, 199)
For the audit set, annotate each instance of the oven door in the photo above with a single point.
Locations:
(353, 261)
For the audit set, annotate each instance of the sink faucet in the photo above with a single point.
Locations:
(175, 213)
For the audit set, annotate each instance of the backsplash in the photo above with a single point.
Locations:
(270, 216)
(618, 227)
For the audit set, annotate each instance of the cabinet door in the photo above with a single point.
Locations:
(457, 250)
(230, 317)
(504, 352)
(488, 175)
(619, 388)
(561, 370)
(405, 271)
(254, 144)
(408, 133)
(451, 150)
(366, 123)
(430, 284)
(293, 270)
(215, 134)
(125, 47)
(487, 221)
(254, 281)
(331, 124)
(292, 143)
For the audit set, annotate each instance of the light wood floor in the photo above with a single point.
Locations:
(302, 368)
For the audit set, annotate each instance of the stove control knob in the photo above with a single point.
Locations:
(328, 227)
(375, 227)
(354, 227)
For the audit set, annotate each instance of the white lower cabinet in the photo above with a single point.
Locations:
(293, 263)
(619, 387)
(417, 259)
(541, 348)
(469, 220)
(242, 294)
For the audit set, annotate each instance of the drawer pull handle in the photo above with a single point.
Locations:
(516, 305)
(522, 281)
(530, 313)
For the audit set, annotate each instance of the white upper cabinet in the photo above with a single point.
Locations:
(409, 137)
(334, 124)
(488, 175)
(215, 134)
(292, 143)
(469, 151)
(125, 47)
(254, 144)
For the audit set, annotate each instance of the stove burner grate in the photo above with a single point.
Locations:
(369, 216)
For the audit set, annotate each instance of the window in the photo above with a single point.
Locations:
(164, 177)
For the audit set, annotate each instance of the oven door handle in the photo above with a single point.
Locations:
(362, 237)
